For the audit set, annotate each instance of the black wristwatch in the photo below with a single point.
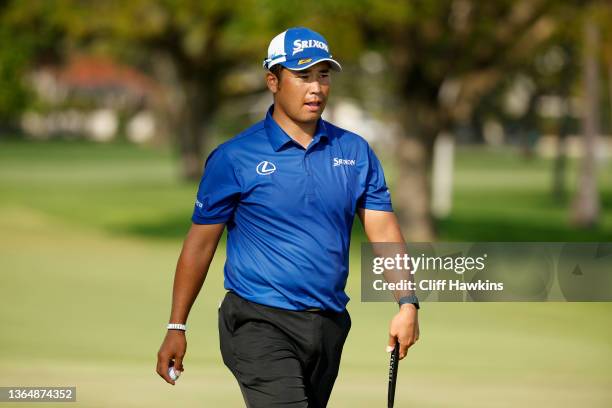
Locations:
(412, 299)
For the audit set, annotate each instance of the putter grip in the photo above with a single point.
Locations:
(393, 366)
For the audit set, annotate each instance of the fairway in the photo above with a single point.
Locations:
(90, 234)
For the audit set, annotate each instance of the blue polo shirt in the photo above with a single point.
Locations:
(289, 211)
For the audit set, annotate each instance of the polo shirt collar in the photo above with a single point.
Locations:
(279, 138)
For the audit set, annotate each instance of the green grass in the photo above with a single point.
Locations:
(500, 196)
(89, 236)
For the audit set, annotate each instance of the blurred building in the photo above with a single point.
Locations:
(94, 98)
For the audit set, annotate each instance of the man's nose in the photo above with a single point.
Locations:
(315, 87)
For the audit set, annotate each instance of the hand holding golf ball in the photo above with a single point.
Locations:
(173, 374)
(170, 356)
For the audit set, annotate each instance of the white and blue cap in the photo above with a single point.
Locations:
(299, 48)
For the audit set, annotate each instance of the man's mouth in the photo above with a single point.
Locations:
(313, 105)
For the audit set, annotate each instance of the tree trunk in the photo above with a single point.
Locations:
(412, 196)
(442, 175)
(610, 94)
(193, 126)
(586, 207)
(560, 164)
(191, 134)
(529, 128)
(559, 186)
(185, 113)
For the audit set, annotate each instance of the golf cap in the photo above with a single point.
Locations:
(299, 48)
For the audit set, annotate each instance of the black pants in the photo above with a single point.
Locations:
(281, 358)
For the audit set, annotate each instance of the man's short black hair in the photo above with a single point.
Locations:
(276, 70)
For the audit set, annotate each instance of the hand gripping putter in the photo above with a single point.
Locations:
(393, 367)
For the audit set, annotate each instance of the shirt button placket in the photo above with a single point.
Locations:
(309, 185)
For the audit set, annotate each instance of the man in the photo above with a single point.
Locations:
(287, 189)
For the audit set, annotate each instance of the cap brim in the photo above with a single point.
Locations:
(293, 65)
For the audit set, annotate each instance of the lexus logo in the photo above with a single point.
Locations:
(265, 168)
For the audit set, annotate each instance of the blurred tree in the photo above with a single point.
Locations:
(554, 76)
(14, 56)
(25, 39)
(444, 56)
(586, 206)
(190, 46)
(603, 17)
(597, 35)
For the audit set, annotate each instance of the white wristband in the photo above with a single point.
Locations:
(176, 326)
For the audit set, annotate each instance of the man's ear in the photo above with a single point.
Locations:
(272, 82)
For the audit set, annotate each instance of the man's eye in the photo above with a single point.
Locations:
(303, 76)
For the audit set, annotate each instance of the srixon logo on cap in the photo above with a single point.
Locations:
(300, 45)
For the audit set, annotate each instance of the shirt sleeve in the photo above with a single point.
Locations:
(376, 195)
(218, 192)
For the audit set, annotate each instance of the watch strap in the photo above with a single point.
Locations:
(176, 326)
(412, 299)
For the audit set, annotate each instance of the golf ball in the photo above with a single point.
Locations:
(174, 375)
